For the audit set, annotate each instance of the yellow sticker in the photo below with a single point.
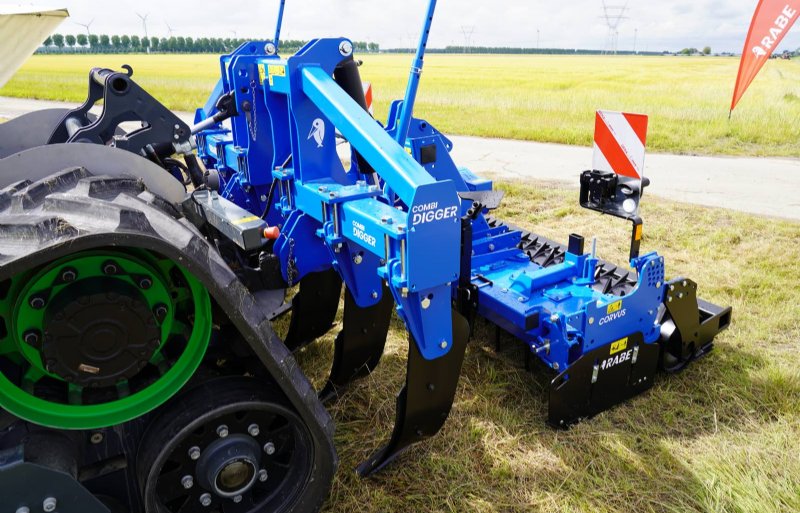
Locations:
(275, 70)
(619, 345)
(614, 307)
(262, 73)
(246, 220)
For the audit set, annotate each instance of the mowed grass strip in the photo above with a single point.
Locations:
(721, 437)
(540, 98)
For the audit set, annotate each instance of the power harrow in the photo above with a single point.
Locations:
(141, 271)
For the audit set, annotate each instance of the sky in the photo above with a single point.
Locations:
(652, 25)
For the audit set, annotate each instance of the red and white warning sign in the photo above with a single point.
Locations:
(368, 96)
(619, 141)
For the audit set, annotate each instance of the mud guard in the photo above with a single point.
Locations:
(359, 346)
(426, 399)
(29, 130)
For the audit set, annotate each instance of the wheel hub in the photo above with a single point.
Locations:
(98, 332)
(229, 466)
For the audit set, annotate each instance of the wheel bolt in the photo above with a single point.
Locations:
(222, 431)
(96, 438)
(145, 283)
(237, 499)
(49, 504)
(23, 509)
(194, 453)
(205, 499)
(187, 482)
(253, 429)
(37, 302)
(32, 337)
(160, 311)
(110, 268)
(68, 275)
(262, 475)
(269, 448)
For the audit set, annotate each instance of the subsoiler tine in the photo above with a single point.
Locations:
(426, 399)
(314, 308)
(359, 346)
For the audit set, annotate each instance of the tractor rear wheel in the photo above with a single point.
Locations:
(112, 305)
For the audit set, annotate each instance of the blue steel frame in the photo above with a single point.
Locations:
(405, 228)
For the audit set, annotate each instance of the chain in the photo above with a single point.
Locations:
(253, 127)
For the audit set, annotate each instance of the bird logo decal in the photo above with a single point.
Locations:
(317, 132)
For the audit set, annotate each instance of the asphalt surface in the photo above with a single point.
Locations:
(766, 186)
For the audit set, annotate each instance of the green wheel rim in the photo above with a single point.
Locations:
(188, 320)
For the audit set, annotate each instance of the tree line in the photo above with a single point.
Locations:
(103, 43)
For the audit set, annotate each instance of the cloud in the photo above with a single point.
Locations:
(575, 24)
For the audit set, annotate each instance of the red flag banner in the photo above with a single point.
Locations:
(771, 21)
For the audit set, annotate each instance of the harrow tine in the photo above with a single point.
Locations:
(426, 399)
(359, 346)
(314, 308)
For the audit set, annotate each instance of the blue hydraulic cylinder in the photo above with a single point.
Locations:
(413, 78)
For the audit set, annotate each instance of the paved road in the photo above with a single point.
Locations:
(767, 186)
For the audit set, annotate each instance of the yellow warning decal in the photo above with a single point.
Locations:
(638, 234)
(619, 345)
(246, 220)
(614, 307)
(262, 73)
(275, 70)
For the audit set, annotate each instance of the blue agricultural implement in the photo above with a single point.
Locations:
(144, 261)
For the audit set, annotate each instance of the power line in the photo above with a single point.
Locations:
(613, 16)
(468, 30)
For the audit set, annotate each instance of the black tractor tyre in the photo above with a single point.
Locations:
(79, 208)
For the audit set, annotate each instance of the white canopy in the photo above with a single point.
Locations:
(22, 30)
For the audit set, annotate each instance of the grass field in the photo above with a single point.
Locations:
(722, 437)
(541, 98)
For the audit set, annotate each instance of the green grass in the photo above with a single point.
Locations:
(722, 437)
(541, 98)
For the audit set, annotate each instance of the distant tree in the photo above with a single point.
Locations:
(116, 42)
(70, 39)
(48, 42)
(58, 40)
(374, 47)
(125, 42)
(105, 41)
(180, 44)
(707, 50)
(145, 43)
(136, 43)
(82, 40)
(154, 43)
(94, 41)
(189, 45)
